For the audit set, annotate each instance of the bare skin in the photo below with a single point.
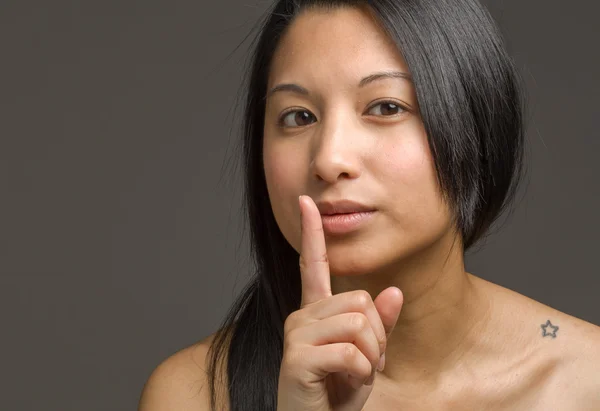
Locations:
(524, 370)
(460, 342)
(525, 356)
(520, 365)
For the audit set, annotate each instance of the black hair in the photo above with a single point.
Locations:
(471, 104)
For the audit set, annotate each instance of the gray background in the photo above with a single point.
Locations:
(121, 234)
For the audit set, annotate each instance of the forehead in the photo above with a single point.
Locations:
(342, 43)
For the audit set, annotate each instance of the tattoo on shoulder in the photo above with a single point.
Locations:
(546, 333)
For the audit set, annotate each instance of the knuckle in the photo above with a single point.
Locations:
(303, 264)
(292, 360)
(363, 298)
(320, 259)
(323, 259)
(358, 321)
(293, 356)
(348, 352)
(290, 322)
(290, 338)
(294, 369)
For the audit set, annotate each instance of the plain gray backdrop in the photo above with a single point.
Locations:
(121, 235)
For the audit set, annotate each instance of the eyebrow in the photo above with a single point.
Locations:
(295, 88)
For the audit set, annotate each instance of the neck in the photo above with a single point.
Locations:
(441, 316)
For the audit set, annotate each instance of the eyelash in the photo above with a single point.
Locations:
(283, 115)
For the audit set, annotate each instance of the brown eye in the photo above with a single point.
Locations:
(386, 108)
(297, 118)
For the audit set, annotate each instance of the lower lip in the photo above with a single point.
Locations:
(345, 223)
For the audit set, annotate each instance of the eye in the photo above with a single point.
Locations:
(296, 118)
(386, 109)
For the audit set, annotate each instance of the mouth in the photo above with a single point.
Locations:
(344, 223)
(329, 208)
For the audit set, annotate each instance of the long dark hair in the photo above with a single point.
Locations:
(471, 104)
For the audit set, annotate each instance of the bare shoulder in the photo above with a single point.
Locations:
(580, 377)
(180, 382)
(576, 341)
(575, 348)
(575, 385)
(565, 349)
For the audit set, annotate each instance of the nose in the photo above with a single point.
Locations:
(337, 152)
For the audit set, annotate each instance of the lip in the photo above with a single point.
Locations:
(336, 224)
(342, 207)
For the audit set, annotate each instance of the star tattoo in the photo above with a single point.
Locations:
(545, 327)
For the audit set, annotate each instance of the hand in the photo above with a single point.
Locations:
(333, 343)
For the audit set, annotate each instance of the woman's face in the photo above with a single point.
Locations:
(333, 138)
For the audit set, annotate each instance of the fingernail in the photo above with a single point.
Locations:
(381, 362)
(371, 379)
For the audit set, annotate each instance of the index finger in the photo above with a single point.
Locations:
(314, 265)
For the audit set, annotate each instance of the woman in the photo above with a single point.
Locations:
(399, 122)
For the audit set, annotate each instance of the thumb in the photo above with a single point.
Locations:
(389, 304)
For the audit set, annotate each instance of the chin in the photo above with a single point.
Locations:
(342, 265)
(372, 257)
(346, 271)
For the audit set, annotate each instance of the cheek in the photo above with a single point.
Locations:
(408, 165)
(410, 176)
(284, 186)
(281, 173)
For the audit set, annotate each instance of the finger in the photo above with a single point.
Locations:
(358, 301)
(389, 304)
(313, 363)
(314, 267)
(352, 327)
